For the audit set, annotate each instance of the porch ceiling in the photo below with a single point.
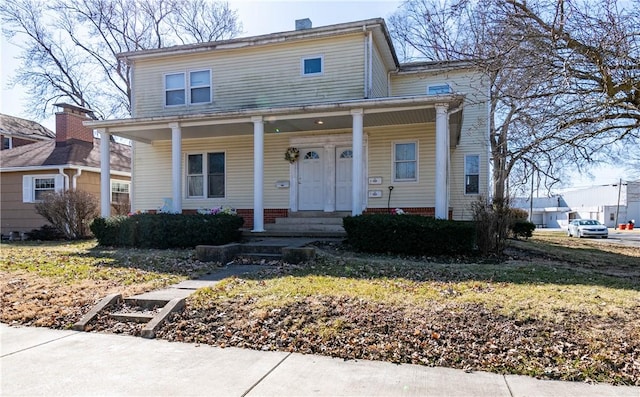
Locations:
(293, 121)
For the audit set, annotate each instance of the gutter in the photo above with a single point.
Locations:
(60, 169)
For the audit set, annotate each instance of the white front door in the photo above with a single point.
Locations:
(310, 180)
(344, 178)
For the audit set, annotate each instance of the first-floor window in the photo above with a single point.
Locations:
(35, 187)
(211, 165)
(120, 192)
(405, 161)
(41, 186)
(472, 174)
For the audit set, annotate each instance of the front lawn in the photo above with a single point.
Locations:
(53, 284)
(556, 308)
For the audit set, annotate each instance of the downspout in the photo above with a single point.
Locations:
(65, 176)
(370, 64)
(366, 67)
(74, 181)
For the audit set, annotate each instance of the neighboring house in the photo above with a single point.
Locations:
(16, 132)
(546, 212)
(71, 161)
(610, 204)
(211, 124)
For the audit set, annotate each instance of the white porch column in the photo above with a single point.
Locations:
(258, 174)
(442, 161)
(105, 173)
(358, 161)
(176, 167)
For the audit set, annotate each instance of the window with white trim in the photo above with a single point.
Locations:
(200, 87)
(34, 187)
(213, 166)
(120, 191)
(472, 174)
(182, 91)
(439, 89)
(174, 92)
(312, 66)
(405, 162)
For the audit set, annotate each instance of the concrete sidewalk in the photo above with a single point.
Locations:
(45, 362)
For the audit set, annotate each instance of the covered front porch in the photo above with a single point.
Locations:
(331, 171)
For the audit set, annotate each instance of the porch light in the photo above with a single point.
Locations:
(319, 122)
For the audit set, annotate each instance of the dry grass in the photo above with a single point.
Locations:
(557, 307)
(54, 284)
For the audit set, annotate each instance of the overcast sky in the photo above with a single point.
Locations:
(262, 17)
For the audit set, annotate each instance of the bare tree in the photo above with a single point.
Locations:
(70, 47)
(544, 112)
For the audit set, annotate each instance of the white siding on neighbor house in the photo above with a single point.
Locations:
(474, 138)
(380, 79)
(257, 77)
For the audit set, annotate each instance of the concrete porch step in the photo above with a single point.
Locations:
(309, 220)
(270, 233)
(313, 227)
(319, 214)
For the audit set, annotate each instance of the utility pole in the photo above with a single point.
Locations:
(615, 227)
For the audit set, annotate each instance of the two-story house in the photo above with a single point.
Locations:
(212, 124)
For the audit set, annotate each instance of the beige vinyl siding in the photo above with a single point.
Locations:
(153, 174)
(380, 87)
(261, 76)
(474, 133)
(380, 164)
(16, 215)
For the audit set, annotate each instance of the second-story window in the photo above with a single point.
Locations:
(312, 66)
(200, 85)
(175, 93)
(196, 89)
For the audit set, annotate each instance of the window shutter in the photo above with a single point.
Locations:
(59, 183)
(27, 189)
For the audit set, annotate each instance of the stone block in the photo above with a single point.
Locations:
(298, 254)
(218, 253)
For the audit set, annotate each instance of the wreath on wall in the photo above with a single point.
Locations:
(292, 154)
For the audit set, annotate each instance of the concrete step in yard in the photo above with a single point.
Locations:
(153, 308)
(152, 312)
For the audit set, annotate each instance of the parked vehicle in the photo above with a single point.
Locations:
(587, 228)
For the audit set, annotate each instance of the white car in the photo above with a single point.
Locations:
(587, 228)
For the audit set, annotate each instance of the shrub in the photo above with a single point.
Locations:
(167, 230)
(492, 225)
(518, 214)
(69, 211)
(522, 228)
(45, 233)
(409, 234)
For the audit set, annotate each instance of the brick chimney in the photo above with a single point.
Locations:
(69, 124)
